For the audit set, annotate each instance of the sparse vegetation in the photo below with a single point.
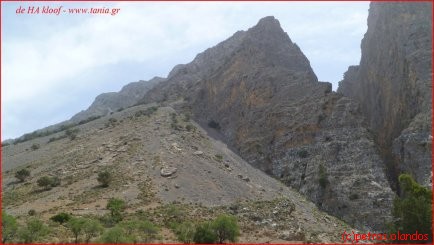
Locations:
(72, 133)
(104, 178)
(219, 157)
(37, 134)
(52, 139)
(22, 174)
(35, 146)
(31, 212)
(189, 127)
(146, 112)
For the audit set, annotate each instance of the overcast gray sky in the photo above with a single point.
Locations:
(54, 66)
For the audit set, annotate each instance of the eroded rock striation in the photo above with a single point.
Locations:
(258, 91)
(393, 84)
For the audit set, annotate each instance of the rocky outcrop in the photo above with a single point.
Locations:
(105, 103)
(393, 84)
(258, 91)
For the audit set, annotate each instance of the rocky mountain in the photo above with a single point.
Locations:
(164, 166)
(128, 96)
(393, 85)
(259, 93)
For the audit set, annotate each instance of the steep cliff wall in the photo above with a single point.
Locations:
(393, 84)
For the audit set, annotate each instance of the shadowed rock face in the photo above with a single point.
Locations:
(260, 90)
(393, 84)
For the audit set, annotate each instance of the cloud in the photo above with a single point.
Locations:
(42, 60)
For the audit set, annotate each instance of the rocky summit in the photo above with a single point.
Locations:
(246, 128)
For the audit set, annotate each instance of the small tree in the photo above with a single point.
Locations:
(45, 182)
(91, 228)
(104, 178)
(76, 226)
(33, 231)
(412, 210)
(22, 174)
(116, 207)
(9, 227)
(226, 228)
(205, 234)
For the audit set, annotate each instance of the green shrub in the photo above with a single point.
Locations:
(412, 209)
(31, 212)
(219, 157)
(116, 207)
(47, 182)
(205, 234)
(116, 235)
(72, 133)
(149, 230)
(22, 174)
(9, 228)
(173, 215)
(55, 181)
(44, 182)
(104, 178)
(35, 146)
(189, 127)
(61, 218)
(226, 228)
(185, 232)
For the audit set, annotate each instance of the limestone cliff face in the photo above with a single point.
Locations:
(393, 84)
(266, 102)
(105, 103)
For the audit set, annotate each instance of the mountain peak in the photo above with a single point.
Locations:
(269, 21)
